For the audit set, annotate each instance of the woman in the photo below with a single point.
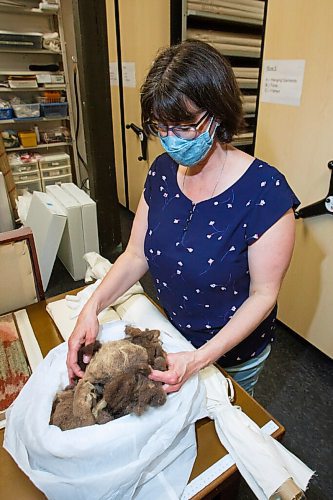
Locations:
(214, 226)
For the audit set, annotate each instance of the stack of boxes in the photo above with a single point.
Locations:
(35, 175)
(64, 222)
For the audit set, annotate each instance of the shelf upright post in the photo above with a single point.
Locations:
(69, 94)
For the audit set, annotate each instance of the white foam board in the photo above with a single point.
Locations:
(71, 249)
(47, 220)
(89, 216)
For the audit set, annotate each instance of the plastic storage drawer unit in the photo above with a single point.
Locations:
(59, 179)
(52, 161)
(54, 109)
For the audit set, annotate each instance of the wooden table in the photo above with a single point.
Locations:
(15, 485)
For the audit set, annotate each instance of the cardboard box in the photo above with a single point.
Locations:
(47, 220)
(71, 249)
(89, 216)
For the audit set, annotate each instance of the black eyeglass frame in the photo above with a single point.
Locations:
(153, 128)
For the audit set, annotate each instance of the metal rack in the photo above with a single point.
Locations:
(16, 63)
(188, 22)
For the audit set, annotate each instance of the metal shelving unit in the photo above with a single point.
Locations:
(16, 62)
(33, 120)
(41, 146)
(239, 22)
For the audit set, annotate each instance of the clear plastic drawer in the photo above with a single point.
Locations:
(55, 172)
(31, 186)
(56, 180)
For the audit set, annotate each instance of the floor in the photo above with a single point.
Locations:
(296, 387)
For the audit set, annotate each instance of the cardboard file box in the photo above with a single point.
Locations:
(89, 216)
(47, 220)
(71, 249)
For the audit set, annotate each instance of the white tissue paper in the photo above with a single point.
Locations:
(150, 456)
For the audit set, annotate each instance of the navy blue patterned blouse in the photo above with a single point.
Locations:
(198, 252)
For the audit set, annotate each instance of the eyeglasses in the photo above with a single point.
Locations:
(188, 132)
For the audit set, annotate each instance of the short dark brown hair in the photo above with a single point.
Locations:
(192, 71)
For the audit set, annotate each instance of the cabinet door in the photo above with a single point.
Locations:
(144, 29)
(298, 140)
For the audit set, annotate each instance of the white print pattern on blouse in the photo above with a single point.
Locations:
(163, 190)
(231, 249)
(152, 258)
(151, 230)
(224, 286)
(263, 183)
(261, 203)
(229, 201)
(219, 232)
(277, 183)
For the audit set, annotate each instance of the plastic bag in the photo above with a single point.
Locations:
(130, 456)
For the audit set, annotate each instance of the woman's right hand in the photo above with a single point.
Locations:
(84, 333)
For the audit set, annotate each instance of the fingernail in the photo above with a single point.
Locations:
(86, 359)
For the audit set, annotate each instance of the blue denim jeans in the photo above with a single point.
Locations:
(247, 374)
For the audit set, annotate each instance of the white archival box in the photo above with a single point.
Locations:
(89, 216)
(71, 249)
(47, 220)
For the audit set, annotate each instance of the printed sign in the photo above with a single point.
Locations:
(128, 69)
(282, 81)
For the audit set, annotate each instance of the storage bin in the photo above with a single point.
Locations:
(47, 173)
(52, 161)
(58, 134)
(54, 109)
(28, 139)
(6, 113)
(13, 40)
(19, 167)
(26, 110)
(31, 186)
(56, 180)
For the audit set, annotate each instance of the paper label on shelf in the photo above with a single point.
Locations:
(214, 471)
(128, 69)
(282, 81)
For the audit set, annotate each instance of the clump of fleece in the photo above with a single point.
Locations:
(115, 382)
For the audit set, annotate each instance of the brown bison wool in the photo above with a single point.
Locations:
(115, 382)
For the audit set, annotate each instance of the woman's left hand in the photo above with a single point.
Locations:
(181, 366)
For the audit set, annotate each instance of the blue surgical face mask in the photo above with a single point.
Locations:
(189, 153)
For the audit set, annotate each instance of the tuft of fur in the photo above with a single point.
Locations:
(115, 382)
